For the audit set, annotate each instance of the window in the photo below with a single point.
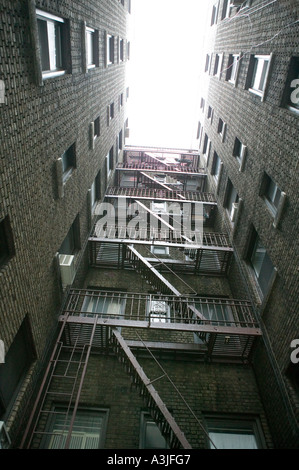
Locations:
(260, 262)
(234, 433)
(291, 92)
(68, 162)
(121, 50)
(95, 192)
(17, 362)
(127, 94)
(216, 166)
(110, 49)
(210, 113)
(96, 131)
(258, 73)
(91, 48)
(71, 243)
(239, 152)
(160, 250)
(226, 9)
(120, 140)
(158, 310)
(233, 68)
(121, 100)
(128, 50)
(7, 249)
(273, 196)
(88, 432)
(110, 161)
(207, 64)
(218, 65)
(51, 36)
(150, 435)
(231, 201)
(221, 128)
(199, 130)
(206, 146)
(109, 303)
(110, 112)
(202, 104)
(214, 13)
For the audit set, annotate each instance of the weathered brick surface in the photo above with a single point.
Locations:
(270, 133)
(38, 123)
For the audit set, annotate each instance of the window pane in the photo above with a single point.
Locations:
(43, 44)
(88, 429)
(153, 437)
(233, 440)
(257, 257)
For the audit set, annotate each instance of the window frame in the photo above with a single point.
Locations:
(237, 423)
(110, 49)
(70, 155)
(146, 418)
(231, 198)
(52, 47)
(72, 238)
(257, 73)
(258, 265)
(58, 408)
(240, 153)
(233, 68)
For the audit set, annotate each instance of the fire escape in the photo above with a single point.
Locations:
(92, 319)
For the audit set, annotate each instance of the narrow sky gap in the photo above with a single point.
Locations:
(166, 48)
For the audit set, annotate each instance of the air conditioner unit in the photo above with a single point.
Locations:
(67, 269)
(4, 437)
(158, 311)
(234, 211)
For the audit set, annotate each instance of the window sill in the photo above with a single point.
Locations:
(53, 74)
(256, 92)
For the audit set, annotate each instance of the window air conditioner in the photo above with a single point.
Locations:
(67, 269)
(234, 211)
(158, 310)
(4, 437)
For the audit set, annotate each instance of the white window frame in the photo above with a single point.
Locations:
(90, 39)
(259, 76)
(110, 40)
(235, 65)
(50, 19)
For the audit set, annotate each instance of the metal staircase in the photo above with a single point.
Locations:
(157, 408)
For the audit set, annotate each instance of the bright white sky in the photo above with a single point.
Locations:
(166, 46)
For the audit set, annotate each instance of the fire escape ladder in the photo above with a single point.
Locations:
(142, 266)
(66, 368)
(158, 410)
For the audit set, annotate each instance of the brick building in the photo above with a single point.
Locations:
(164, 329)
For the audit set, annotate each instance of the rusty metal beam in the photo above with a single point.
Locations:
(152, 392)
(188, 327)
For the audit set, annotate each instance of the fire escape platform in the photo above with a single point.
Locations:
(226, 328)
(161, 195)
